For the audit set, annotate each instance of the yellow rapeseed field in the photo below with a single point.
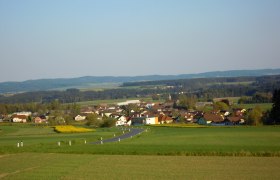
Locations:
(71, 129)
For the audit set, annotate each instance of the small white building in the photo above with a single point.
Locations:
(80, 118)
(19, 118)
(128, 102)
(151, 120)
(121, 121)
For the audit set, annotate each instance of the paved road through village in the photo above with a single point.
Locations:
(132, 132)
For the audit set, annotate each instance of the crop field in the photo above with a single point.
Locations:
(86, 166)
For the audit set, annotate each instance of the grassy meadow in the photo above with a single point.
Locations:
(86, 166)
(263, 106)
(159, 153)
(223, 141)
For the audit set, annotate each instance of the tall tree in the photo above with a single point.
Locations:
(254, 117)
(275, 111)
(221, 106)
(187, 102)
(128, 109)
(94, 120)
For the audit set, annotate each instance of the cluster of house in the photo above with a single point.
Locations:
(23, 117)
(164, 113)
(148, 113)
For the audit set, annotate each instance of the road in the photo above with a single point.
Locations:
(131, 133)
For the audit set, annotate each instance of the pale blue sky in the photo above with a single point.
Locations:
(72, 38)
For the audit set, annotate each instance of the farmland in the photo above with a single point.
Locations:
(263, 106)
(86, 166)
(233, 141)
(160, 153)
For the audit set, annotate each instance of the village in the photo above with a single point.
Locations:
(136, 112)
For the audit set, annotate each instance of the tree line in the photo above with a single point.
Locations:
(204, 89)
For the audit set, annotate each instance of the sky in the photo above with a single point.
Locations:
(74, 38)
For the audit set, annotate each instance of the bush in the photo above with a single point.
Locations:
(109, 122)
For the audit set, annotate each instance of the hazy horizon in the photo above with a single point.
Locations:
(64, 39)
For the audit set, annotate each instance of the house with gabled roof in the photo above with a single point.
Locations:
(40, 119)
(163, 119)
(234, 120)
(213, 118)
(121, 120)
(19, 118)
(79, 118)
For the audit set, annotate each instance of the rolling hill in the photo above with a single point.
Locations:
(88, 81)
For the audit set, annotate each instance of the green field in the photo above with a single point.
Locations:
(263, 106)
(159, 153)
(86, 166)
(233, 141)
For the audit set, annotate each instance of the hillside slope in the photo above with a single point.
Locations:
(87, 81)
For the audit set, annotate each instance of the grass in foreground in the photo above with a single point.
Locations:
(73, 166)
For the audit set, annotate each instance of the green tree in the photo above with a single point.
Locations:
(74, 109)
(181, 119)
(128, 109)
(155, 97)
(221, 106)
(55, 105)
(29, 119)
(187, 102)
(68, 119)
(60, 120)
(254, 117)
(3, 109)
(275, 111)
(108, 122)
(94, 120)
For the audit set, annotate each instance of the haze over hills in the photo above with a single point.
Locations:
(88, 81)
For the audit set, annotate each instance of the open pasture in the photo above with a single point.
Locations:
(86, 166)
(263, 106)
(221, 141)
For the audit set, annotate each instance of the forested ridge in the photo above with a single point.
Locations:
(88, 81)
(203, 88)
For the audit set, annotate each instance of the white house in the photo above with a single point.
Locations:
(151, 120)
(80, 118)
(128, 122)
(19, 118)
(123, 121)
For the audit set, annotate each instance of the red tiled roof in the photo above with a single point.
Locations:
(19, 116)
(213, 117)
(234, 119)
(164, 118)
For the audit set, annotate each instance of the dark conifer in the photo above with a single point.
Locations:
(275, 111)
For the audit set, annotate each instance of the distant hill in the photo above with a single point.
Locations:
(87, 81)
